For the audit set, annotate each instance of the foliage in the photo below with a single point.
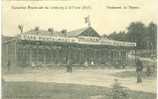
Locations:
(119, 92)
(121, 36)
(144, 36)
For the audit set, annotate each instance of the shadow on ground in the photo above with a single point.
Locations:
(128, 74)
(37, 90)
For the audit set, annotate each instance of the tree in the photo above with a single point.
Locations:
(144, 36)
(121, 36)
(136, 32)
(113, 36)
(152, 33)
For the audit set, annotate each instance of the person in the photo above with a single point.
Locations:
(139, 70)
(8, 65)
(86, 64)
(33, 65)
(124, 66)
(69, 66)
(149, 71)
(154, 64)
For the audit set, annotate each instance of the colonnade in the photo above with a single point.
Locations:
(69, 54)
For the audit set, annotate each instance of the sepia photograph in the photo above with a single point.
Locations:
(79, 49)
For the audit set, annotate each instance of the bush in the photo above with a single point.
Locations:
(119, 92)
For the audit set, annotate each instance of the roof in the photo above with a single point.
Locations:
(76, 32)
(44, 32)
(86, 31)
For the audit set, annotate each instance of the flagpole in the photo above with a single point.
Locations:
(89, 24)
(87, 21)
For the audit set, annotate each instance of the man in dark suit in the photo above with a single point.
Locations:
(139, 70)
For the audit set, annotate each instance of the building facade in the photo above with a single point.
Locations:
(78, 47)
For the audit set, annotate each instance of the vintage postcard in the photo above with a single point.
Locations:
(79, 49)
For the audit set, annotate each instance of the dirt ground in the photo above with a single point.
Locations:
(98, 77)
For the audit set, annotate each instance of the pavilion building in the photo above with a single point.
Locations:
(78, 47)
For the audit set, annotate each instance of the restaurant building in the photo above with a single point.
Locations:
(79, 47)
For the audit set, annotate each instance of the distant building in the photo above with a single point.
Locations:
(75, 47)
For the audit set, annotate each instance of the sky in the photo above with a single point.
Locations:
(103, 18)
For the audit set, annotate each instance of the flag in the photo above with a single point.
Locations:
(87, 20)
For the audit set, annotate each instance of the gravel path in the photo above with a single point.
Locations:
(98, 77)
